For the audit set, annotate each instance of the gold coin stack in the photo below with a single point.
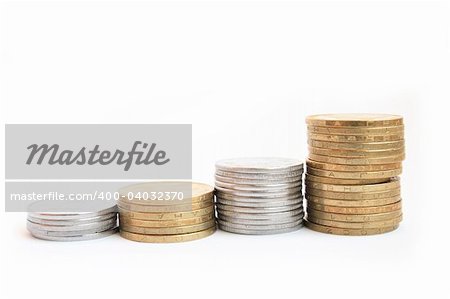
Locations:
(352, 183)
(155, 213)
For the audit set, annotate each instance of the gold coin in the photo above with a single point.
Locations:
(354, 120)
(355, 138)
(156, 209)
(338, 181)
(356, 130)
(353, 218)
(166, 192)
(355, 154)
(355, 225)
(355, 175)
(166, 223)
(353, 168)
(356, 210)
(167, 230)
(353, 196)
(167, 238)
(391, 145)
(165, 215)
(356, 161)
(393, 184)
(348, 231)
(352, 203)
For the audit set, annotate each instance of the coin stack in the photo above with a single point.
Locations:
(65, 226)
(257, 196)
(352, 183)
(164, 217)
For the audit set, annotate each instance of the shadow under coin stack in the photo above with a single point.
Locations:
(73, 226)
(352, 184)
(166, 218)
(257, 196)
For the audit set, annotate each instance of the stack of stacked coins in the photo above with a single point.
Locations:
(73, 226)
(259, 195)
(352, 184)
(156, 213)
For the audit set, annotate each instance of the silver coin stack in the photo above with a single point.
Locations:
(258, 196)
(77, 226)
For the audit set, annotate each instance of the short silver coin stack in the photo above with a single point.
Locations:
(73, 226)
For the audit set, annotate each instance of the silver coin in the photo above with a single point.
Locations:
(260, 164)
(260, 176)
(72, 221)
(98, 235)
(262, 221)
(221, 207)
(66, 228)
(260, 227)
(261, 216)
(250, 187)
(257, 199)
(70, 215)
(73, 233)
(278, 203)
(266, 194)
(254, 181)
(258, 232)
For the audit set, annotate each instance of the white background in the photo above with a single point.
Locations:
(245, 74)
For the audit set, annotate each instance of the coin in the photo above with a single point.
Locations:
(353, 195)
(355, 153)
(168, 230)
(274, 221)
(355, 138)
(356, 210)
(167, 238)
(125, 213)
(98, 235)
(72, 215)
(260, 204)
(353, 168)
(356, 130)
(259, 182)
(388, 145)
(67, 228)
(349, 232)
(356, 161)
(192, 191)
(263, 216)
(261, 176)
(263, 227)
(353, 218)
(393, 184)
(72, 221)
(353, 174)
(227, 228)
(167, 223)
(221, 192)
(75, 233)
(355, 225)
(338, 181)
(354, 120)
(256, 187)
(158, 208)
(259, 165)
(235, 209)
(352, 203)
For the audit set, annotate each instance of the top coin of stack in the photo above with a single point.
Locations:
(352, 184)
(259, 195)
(153, 212)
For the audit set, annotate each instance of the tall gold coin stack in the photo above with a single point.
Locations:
(155, 213)
(352, 183)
